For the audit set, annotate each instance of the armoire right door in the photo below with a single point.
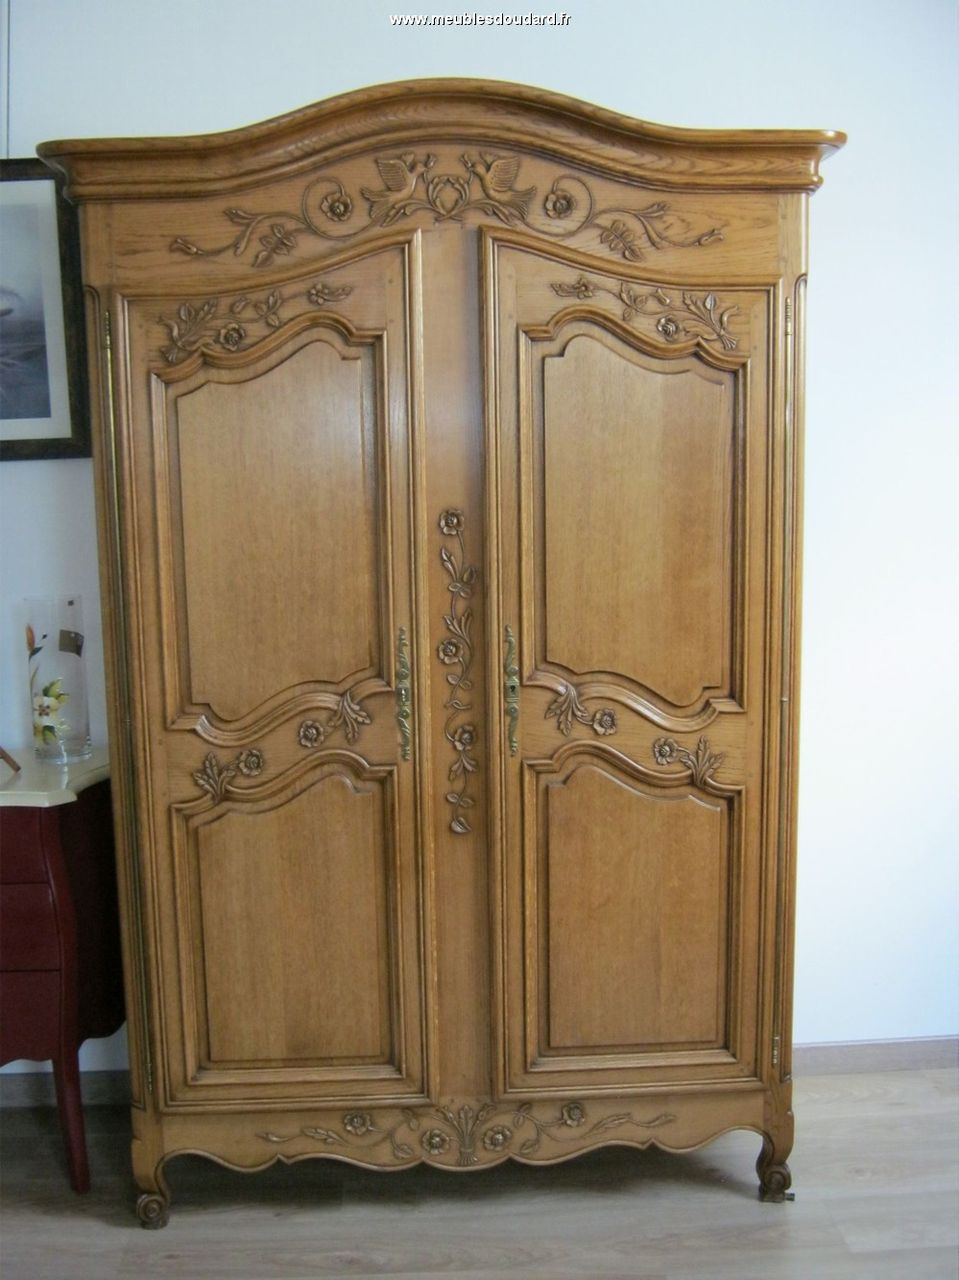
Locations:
(628, 436)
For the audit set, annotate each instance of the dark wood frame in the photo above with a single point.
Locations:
(77, 444)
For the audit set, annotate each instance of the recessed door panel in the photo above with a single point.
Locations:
(632, 915)
(636, 459)
(277, 477)
(294, 902)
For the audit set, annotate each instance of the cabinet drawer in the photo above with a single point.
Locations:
(29, 1015)
(21, 849)
(28, 928)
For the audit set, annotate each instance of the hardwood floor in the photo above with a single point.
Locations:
(875, 1169)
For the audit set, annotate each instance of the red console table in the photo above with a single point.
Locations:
(60, 973)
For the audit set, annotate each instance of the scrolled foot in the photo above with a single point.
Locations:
(153, 1211)
(774, 1176)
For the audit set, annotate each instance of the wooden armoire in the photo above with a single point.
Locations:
(448, 454)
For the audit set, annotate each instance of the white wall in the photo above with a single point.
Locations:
(877, 938)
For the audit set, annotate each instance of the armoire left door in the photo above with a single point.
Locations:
(268, 447)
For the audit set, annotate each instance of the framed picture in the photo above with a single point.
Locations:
(42, 350)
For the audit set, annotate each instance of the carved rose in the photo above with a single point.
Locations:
(250, 763)
(559, 203)
(449, 651)
(452, 522)
(231, 336)
(573, 1115)
(337, 206)
(604, 722)
(435, 1142)
(498, 1138)
(464, 737)
(358, 1123)
(664, 751)
(311, 733)
(668, 326)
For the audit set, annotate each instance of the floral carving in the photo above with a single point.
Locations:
(559, 203)
(214, 778)
(498, 1138)
(691, 317)
(435, 1142)
(511, 690)
(604, 722)
(702, 763)
(573, 1115)
(195, 327)
(404, 700)
(347, 713)
(250, 762)
(566, 708)
(337, 206)
(629, 233)
(484, 183)
(455, 650)
(457, 1133)
(358, 1123)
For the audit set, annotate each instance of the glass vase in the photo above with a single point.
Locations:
(58, 686)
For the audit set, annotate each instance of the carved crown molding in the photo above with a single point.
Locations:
(407, 114)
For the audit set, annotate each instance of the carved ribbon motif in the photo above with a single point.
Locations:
(456, 651)
(484, 183)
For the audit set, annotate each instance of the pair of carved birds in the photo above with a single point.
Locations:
(496, 175)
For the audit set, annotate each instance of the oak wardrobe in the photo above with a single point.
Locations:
(448, 455)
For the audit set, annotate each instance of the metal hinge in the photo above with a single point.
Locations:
(775, 1051)
(789, 317)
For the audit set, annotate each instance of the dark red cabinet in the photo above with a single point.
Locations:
(60, 970)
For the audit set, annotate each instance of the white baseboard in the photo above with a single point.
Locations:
(928, 1053)
(925, 1053)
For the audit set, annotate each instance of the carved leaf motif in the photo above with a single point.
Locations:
(566, 708)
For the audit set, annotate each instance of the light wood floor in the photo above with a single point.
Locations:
(876, 1172)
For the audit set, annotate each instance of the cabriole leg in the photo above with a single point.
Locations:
(774, 1176)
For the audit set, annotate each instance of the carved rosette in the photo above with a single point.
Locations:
(481, 183)
(244, 321)
(455, 651)
(692, 316)
(459, 1133)
(702, 763)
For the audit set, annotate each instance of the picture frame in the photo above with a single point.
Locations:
(43, 370)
